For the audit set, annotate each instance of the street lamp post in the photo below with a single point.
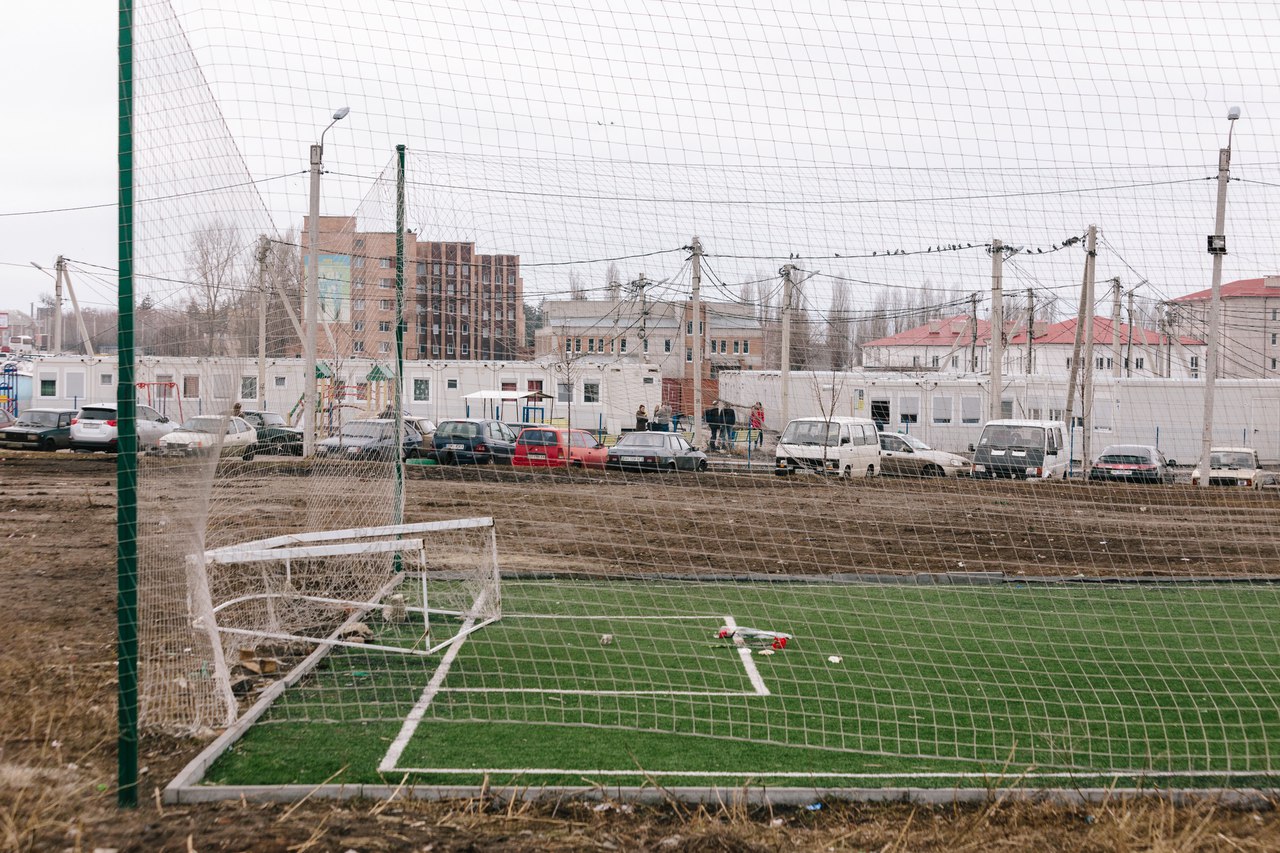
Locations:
(311, 312)
(1217, 248)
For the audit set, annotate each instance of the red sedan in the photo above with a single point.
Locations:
(557, 447)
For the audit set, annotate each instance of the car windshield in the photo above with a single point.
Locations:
(364, 429)
(539, 437)
(820, 433)
(270, 419)
(916, 444)
(1229, 459)
(1126, 455)
(38, 419)
(1013, 436)
(206, 423)
(642, 439)
(457, 429)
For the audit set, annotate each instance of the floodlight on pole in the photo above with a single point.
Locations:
(311, 318)
(1217, 244)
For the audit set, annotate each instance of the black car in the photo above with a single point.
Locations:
(1131, 463)
(275, 436)
(39, 429)
(370, 439)
(474, 440)
(655, 451)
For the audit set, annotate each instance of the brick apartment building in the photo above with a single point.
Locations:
(459, 305)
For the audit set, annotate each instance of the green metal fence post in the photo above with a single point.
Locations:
(127, 444)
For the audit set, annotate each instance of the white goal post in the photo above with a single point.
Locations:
(283, 588)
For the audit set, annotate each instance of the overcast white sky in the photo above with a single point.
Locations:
(58, 142)
(569, 133)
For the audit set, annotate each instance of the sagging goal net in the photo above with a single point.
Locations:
(263, 607)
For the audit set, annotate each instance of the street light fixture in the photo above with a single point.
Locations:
(310, 400)
(1217, 244)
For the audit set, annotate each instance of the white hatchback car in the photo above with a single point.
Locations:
(204, 435)
(1234, 466)
(95, 428)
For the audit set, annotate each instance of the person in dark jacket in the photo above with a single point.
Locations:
(712, 417)
(728, 425)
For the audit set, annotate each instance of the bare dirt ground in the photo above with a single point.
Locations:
(57, 713)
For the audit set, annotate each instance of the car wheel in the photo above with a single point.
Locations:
(702, 465)
(671, 466)
(48, 445)
(934, 471)
(871, 470)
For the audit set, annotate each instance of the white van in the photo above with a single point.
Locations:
(849, 447)
(1021, 450)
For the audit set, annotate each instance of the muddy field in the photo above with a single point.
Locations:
(57, 581)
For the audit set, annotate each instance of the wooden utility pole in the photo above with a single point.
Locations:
(1115, 328)
(995, 350)
(60, 269)
(973, 333)
(788, 285)
(695, 339)
(264, 246)
(1086, 309)
(1128, 354)
(1031, 329)
(1086, 404)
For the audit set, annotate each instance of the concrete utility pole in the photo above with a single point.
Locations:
(1031, 329)
(85, 340)
(696, 341)
(638, 288)
(973, 334)
(996, 349)
(60, 268)
(311, 309)
(1128, 354)
(1086, 406)
(788, 285)
(1217, 248)
(264, 246)
(1115, 328)
(1085, 309)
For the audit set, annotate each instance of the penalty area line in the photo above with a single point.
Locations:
(389, 761)
(757, 681)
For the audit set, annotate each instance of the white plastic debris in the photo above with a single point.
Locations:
(835, 659)
(606, 639)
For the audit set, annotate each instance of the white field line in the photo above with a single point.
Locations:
(543, 691)
(389, 761)
(614, 618)
(749, 662)
(770, 774)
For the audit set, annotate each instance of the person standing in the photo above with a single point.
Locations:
(712, 417)
(728, 425)
(642, 419)
(756, 423)
(662, 417)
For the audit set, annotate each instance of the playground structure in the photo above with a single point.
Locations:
(367, 399)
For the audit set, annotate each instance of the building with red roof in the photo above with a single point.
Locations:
(954, 344)
(1249, 325)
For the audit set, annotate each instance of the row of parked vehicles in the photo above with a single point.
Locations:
(846, 446)
(1007, 449)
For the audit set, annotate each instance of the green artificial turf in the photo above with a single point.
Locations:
(999, 680)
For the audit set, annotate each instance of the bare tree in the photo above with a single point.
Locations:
(212, 266)
(577, 290)
(839, 332)
(612, 281)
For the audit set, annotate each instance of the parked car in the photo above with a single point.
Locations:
(840, 445)
(556, 447)
(903, 455)
(1021, 450)
(205, 435)
(275, 436)
(370, 439)
(474, 440)
(1235, 466)
(95, 428)
(655, 451)
(39, 429)
(1131, 463)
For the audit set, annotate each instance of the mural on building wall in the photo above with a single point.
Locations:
(335, 288)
